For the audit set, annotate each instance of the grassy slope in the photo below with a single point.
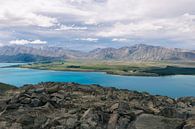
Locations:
(121, 68)
(4, 87)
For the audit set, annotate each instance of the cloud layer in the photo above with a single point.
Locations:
(151, 21)
(24, 42)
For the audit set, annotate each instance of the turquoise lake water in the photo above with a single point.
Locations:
(173, 86)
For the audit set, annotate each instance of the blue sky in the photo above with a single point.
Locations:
(90, 24)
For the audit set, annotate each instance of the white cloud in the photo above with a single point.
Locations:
(119, 40)
(73, 27)
(24, 42)
(38, 42)
(22, 13)
(20, 42)
(131, 29)
(179, 28)
(41, 13)
(89, 39)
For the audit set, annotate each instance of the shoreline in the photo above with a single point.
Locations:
(148, 69)
(106, 72)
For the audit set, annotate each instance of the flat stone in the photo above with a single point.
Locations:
(148, 121)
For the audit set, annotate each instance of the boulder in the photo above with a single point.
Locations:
(190, 124)
(35, 102)
(148, 121)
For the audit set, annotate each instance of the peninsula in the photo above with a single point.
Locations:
(118, 67)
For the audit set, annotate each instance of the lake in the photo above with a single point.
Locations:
(173, 86)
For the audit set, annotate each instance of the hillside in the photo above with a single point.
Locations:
(5, 87)
(74, 106)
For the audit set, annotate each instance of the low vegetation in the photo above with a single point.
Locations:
(5, 87)
(119, 67)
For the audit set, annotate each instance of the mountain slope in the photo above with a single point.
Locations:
(26, 58)
(142, 52)
(18, 53)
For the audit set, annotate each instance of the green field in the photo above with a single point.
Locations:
(120, 67)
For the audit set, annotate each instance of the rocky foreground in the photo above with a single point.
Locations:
(73, 106)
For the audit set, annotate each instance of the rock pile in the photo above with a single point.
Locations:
(74, 106)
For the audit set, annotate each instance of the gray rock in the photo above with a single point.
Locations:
(35, 102)
(26, 101)
(113, 121)
(190, 124)
(148, 121)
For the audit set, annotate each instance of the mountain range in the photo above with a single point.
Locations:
(139, 52)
